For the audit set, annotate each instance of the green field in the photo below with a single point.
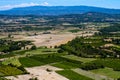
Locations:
(42, 51)
(28, 62)
(108, 72)
(30, 52)
(13, 61)
(66, 65)
(47, 58)
(9, 71)
(73, 75)
(15, 53)
(41, 59)
(84, 60)
(111, 63)
(53, 59)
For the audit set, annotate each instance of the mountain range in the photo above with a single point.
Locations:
(57, 10)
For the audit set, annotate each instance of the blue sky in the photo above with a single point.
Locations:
(8, 4)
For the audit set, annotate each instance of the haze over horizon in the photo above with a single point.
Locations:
(9, 4)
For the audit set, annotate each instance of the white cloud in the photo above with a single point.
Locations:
(6, 7)
(45, 4)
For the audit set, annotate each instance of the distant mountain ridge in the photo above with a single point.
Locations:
(57, 10)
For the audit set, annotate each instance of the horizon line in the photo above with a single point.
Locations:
(60, 6)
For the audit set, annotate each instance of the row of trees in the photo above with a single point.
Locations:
(91, 66)
(110, 29)
(9, 45)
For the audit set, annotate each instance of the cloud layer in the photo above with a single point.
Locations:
(6, 7)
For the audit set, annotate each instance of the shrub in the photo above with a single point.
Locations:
(55, 46)
(33, 47)
(91, 66)
(48, 70)
(60, 51)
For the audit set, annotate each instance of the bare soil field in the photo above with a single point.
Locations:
(50, 40)
(41, 73)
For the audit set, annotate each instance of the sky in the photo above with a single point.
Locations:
(8, 4)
